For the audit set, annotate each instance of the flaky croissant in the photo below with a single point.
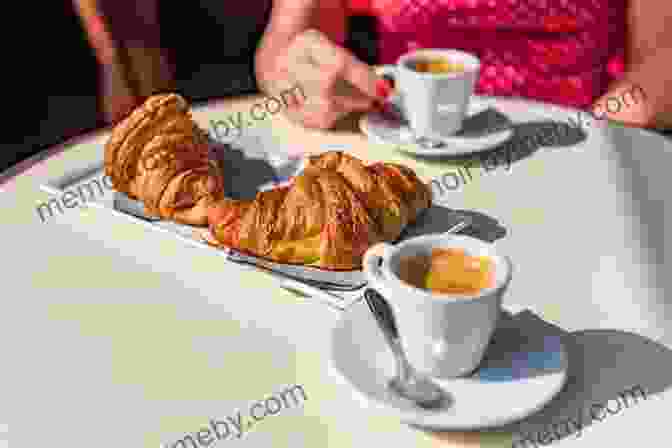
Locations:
(160, 156)
(327, 217)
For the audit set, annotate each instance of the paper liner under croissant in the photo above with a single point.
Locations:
(206, 236)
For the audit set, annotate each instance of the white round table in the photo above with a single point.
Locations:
(113, 335)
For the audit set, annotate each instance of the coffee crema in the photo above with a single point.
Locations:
(435, 66)
(448, 271)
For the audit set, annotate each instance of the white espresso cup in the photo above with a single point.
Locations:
(443, 335)
(434, 104)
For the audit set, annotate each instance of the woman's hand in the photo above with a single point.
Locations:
(628, 103)
(642, 97)
(333, 81)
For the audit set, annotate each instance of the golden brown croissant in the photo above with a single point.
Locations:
(327, 217)
(160, 156)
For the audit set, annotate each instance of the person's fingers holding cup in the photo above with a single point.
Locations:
(329, 91)
(333, 74)
(321, 112)
(335, 59)
(350, 98)
(289, 89)
(314, 79)
(319, 107)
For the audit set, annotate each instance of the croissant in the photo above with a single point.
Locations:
(327, 217)
(160, 156)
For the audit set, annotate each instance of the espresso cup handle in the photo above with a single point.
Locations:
(387, 70)
(393, 72)
(371, 265)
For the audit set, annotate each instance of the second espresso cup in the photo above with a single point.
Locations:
(443, 335)
(435, 104)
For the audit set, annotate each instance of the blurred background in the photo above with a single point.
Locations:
(77, 65)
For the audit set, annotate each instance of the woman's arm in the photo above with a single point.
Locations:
(116, 94)
(126, 33)
(134, 25)
(125, 37)
(645, 91)
(97, 30)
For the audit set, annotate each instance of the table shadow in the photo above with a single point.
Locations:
(439, 219)
(527, 139)
(247, 170)
(522, 347)
(607, 369)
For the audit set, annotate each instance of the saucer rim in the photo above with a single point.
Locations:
(454, 146)
(415, 418)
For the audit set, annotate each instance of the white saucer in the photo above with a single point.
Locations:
(391, 128)
(524, 368)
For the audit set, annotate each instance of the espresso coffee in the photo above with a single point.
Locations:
(435, 66)
(448, 271)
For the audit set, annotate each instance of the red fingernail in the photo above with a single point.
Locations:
(383, 88)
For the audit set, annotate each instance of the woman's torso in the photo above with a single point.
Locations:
(562, 51)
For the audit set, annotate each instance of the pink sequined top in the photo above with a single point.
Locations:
(560, 51)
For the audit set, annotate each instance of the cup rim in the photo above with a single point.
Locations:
(501, 261)
(473, 61)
